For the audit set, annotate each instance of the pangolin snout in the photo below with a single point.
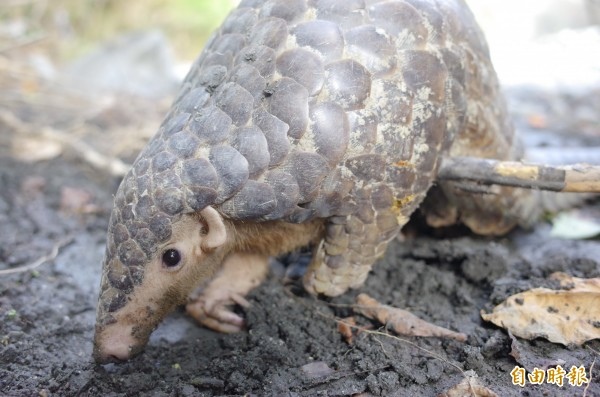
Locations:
(115, 344)
(111, 354)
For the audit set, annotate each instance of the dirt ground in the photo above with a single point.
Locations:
(54, 204)
(292, 346)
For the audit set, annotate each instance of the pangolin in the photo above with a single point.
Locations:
(303, 122)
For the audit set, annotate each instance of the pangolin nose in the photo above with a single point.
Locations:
(114, 344)
(113, 352)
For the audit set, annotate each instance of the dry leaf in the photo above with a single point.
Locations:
(581, 284)
(345, 328)
(569, 317)
(537, 121)
(575, 224)
(33, 186)
(75, 200)
(317, 369)
(32, 150)
(469, 387)
(401, 321)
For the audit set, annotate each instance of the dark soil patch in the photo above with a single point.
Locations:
(48, 314)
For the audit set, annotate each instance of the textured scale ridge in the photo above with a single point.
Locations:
(331, 109)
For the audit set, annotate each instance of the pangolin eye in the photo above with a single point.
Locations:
(171, 258)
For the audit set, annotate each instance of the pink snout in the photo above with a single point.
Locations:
(115, 343)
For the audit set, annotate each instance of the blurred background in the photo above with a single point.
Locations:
(67, 29)
(552, 43)
(55, 32)
(71, 65)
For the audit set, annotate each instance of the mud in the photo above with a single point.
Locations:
(292, 346)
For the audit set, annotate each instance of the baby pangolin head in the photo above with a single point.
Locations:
(153, 260)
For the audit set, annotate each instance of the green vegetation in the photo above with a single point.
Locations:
(72, 26)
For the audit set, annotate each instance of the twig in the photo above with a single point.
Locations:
(372, 332)
(592, 349)
(52, 255)
(114, 166)
(591, 371)
(568, 178)
(591, 378)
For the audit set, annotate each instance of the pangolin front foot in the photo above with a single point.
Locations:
(213, 305)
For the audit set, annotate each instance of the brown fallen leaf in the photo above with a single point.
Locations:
(345, 328)
(582, 284)
(402, 321)
(569, 317)
(33, 186)
(538, 121)
(76, 200)
(469, 387)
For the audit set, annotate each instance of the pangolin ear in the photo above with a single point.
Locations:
(217, 234)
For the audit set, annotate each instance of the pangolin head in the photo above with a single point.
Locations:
(158, 240)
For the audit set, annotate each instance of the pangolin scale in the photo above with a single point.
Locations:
(332, 110)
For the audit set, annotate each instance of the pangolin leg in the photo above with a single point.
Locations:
(212, 305)
(347, 254)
